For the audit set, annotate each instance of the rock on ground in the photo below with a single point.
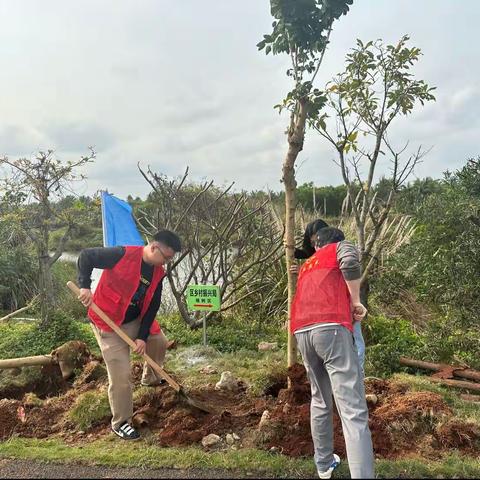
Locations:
(266, 346)
(210, 440)
(227, 382)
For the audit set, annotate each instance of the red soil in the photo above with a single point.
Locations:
(401, 422)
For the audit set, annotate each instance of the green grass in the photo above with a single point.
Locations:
(24, 339)
(27, 376)
(111, 452)
(257, 369)
(89, 409)
(233, 333)
(452, 466)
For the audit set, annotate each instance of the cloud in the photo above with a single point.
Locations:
(78, 136)
(18, 140)
(172, 84)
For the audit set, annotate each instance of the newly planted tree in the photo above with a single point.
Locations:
(376, 88)
(301, 30)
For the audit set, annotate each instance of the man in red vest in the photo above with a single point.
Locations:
(326, 301)
(129, 292)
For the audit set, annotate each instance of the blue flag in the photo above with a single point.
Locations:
(118, 224)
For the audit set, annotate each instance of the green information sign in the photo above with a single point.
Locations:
(203, 298)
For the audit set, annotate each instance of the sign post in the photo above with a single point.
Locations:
(203, 298)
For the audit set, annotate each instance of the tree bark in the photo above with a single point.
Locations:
(45, 289)
(296, 136)
(364, 292)
(470, 398)
(27, 361)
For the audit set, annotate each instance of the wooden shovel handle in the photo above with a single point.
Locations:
(158, 369)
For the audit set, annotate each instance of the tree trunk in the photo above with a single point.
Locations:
(290, 185)
(296, 135)
(27, 361)
(364, 292)
(45, 283)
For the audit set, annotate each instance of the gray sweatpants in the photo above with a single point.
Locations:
(332, 365)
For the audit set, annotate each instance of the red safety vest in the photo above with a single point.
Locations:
(322, 295)
(117, 286)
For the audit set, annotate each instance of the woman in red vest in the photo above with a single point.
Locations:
(129, 292)
(307, 251)
(326, 301)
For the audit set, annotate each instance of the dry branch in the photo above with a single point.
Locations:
(457, 384)
(461, 372)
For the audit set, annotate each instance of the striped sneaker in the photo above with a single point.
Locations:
(333, 466)
(155, 383)
(126, 431)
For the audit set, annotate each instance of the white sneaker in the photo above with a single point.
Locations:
(333, 466)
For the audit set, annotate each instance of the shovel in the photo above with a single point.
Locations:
(159, 370)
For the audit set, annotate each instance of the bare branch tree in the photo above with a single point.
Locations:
(230, 239)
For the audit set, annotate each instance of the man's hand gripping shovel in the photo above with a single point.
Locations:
(159, 370)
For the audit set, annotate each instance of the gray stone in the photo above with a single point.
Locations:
(210, 440)
(266, 346)
(265, 420)
(227, 382)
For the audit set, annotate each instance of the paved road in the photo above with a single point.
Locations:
(36, 469)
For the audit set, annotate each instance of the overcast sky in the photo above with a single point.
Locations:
(180, 83)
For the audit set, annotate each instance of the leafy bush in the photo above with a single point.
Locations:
(17, 277)
(85, 236)
(232, 334)
(449, 340)
(440, 268)
(387, 340)
(66, 301)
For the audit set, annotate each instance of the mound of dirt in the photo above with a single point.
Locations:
(412, 406)
(71, 356)
(94, 371)
(459, 434)
(401, 421)
(405, 422)
(9, 417)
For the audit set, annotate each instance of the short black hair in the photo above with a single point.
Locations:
(307, 249)
(168, 238)
(329, 235)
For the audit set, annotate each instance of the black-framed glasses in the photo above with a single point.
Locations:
(167, 257)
